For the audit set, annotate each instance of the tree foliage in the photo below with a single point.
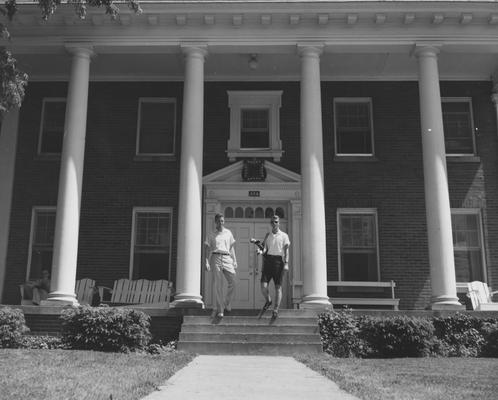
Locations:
(13, 81)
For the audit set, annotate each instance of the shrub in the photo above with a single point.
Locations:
(397, 336)
(105, 328)
(490, 333)
(41, 342)
(161, 348)
(12, 327)
(458, 335)
(340, 332)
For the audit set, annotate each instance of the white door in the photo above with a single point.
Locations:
(249, 264)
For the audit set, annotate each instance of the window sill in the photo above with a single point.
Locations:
(340, 158)
(276, 155)
(143, 157)
(465, 159)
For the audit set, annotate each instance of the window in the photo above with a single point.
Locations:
(41, 242)
(254, 124)
(467, 245)
(250, 212)
(151, 238)
(255, 129)
(458, 126)
(353, 126)
(52, 126)
(156, 126)
(358, 245)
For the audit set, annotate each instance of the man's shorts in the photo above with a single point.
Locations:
(273, 268)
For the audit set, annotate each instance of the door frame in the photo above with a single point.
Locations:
(282, 186)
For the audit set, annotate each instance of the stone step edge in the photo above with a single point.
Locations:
(297, 343)
(251, 333)
(226, 323)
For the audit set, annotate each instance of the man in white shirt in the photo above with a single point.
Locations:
(220, 259)
(275, 263)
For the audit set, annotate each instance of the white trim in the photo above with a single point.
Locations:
(324, 77)
(368, 101)
(345, 211)
(42, 120)
(477, 212)
(158, 210)
(165, 100)
(34, 211)
(467, 100)
(239, 100)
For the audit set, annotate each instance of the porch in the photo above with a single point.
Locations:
(167, 323)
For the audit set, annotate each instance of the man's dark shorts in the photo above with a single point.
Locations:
(273, 268)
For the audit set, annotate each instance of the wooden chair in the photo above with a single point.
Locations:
(481, 297)
(138, 292)
(84, 290)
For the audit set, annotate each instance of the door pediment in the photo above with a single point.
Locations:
(233, 174)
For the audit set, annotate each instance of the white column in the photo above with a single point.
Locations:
(437, 199)
(67, 221)
(312, 187)
(8, 144)
(188, 270)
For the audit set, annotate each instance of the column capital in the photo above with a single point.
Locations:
(80, 49)
(426, 49)
(310, 49)
(199, 50)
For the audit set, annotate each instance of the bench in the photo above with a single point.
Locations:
(141, 291)
(391, 301)
(84, 290)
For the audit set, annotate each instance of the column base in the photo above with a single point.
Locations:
(58, 299)
(187, 301)
(446, 303)
(315, 302)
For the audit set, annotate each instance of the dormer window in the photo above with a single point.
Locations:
(254, 124)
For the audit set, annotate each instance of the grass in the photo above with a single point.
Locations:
(64, 374)
(411, 378)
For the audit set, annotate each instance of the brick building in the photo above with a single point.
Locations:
(369, 127)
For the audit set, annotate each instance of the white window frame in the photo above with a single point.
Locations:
(34, 211)
(158, 210)
(42, 121)
(480, 232)
(367, 100)
(142, 100)
(349, 211)
(467, 100)
(255, 99)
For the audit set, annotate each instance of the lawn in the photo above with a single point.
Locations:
(411, 378)
(64, 374)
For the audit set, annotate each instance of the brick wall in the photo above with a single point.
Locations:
(114, 182)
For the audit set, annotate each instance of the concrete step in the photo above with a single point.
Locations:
(237, 348)
(251, 320)
(245, 337)
(253, 313)
(250, 328)
(294, 331)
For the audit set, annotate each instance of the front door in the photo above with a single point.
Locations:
(248, 292)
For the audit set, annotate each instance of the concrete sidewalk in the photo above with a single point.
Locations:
(248, 377)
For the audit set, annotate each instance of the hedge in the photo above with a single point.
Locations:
(346, 335)
(12, 327)
(105, 328)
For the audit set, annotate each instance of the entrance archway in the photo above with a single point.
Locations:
(247, 207)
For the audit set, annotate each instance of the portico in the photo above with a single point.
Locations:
(307, 48)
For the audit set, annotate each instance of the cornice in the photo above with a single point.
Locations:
(238, 14)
